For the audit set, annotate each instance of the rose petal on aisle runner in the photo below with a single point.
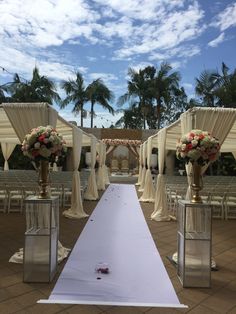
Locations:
(116, 234)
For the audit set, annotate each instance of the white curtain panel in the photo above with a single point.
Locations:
(161, 209)
(7, 150)
(76, 210)
(25, 116)
(105, 170)
(106, 175)
(234, 154)
(100, 173)
(140, 165)
(92, 191)
(142, 184)
(148, 191)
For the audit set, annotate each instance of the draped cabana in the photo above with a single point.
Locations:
(17, 119)
(220, 122)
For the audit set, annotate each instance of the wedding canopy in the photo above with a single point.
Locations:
(132, 145)
(17, 119)
(220, 122)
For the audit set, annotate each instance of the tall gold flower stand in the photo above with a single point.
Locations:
(41, 239)
(194, 244)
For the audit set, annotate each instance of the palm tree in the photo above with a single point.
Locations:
(39, 89)
(164, 86)
(131, 118)
(3, 97)
(139, 91)
(225, 90)
(76, 93)
(98, 92)
(205, 86)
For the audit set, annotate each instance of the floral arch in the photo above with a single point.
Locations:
(132, 145)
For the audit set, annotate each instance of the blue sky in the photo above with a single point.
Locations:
(103, 38)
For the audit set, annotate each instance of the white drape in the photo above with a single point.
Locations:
(104, 167)
(76, 210)
(106, 175)
(140, 165)
(234, 154)
(92, 191)
(161, 209)
(25, 116)
(148, 191)
(142, 183)
(100, 174)
(7, 150)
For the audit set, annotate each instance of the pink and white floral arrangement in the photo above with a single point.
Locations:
(43, 142)
(199, 146)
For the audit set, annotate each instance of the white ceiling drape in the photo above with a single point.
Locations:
(24, 117)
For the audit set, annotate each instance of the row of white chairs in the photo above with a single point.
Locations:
(15, 186)
(221, 196)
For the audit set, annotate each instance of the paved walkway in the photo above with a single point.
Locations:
(19, 297)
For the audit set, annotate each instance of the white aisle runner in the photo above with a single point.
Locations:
(116, 233)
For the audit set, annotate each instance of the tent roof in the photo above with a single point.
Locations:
(194, 115)
(8, 134)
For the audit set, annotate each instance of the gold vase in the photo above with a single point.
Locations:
(196, 184)
(43, 179)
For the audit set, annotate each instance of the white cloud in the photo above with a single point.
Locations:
(23, 63)
(188, 86)
(176, 65)
(45, 23)
(186, 51)
(141, 9)
(139, 66)
(133, 27)
(92, 59)
(167, 32)
(106, 77)
(215, 42)
(226, 19)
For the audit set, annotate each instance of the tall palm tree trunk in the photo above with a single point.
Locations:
(92, 113)
(158, 113)
(81, 116)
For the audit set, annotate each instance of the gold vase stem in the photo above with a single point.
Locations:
(43, 180)
(196, 184)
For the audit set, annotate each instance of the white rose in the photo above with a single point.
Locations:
(194, 143)
(37, 145)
